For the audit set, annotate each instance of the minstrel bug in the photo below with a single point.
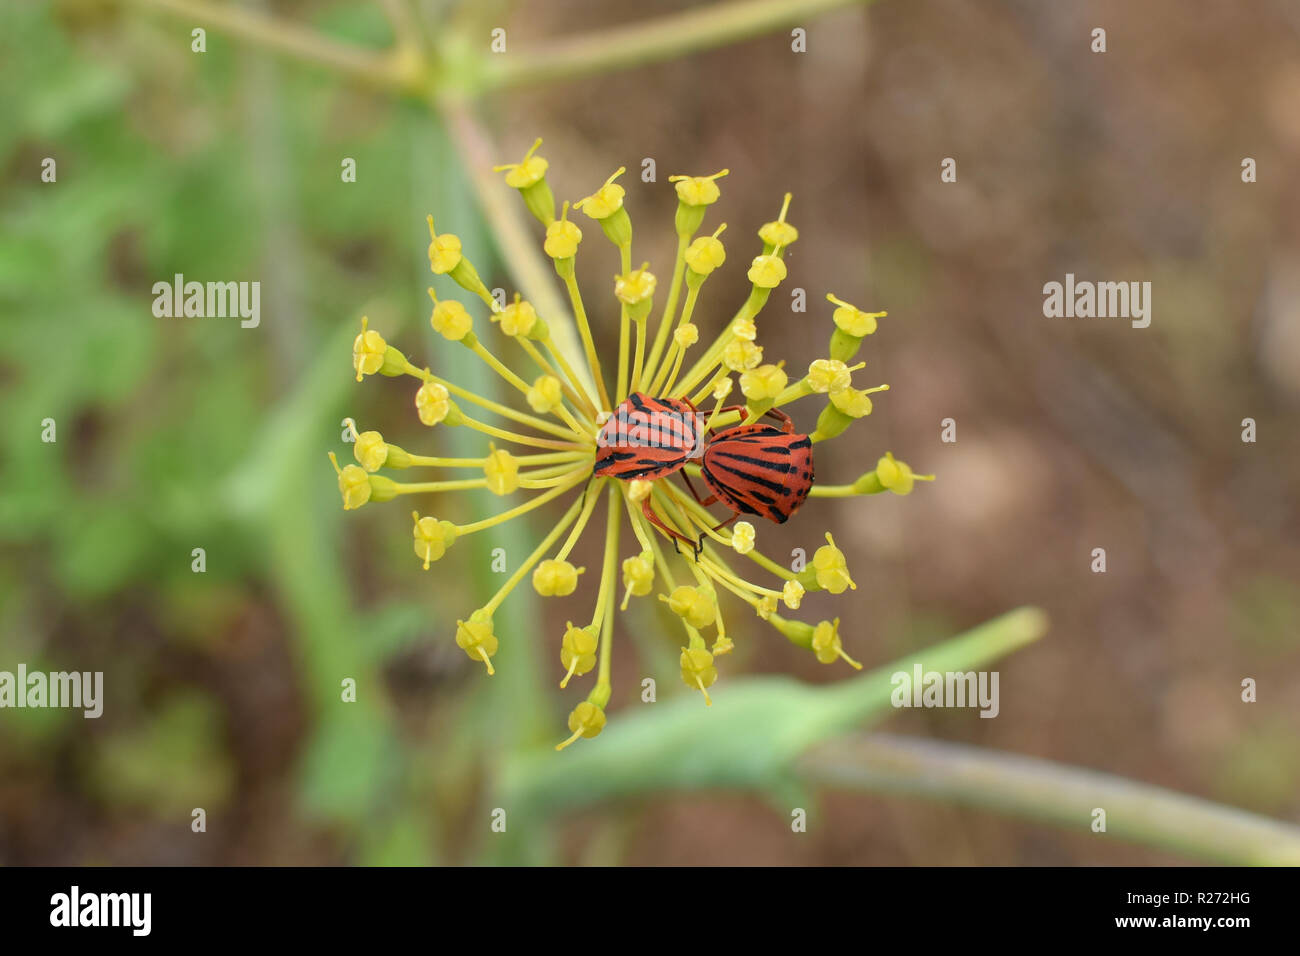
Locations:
(760, 468)
(649, 438)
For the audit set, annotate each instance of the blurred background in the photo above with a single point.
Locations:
(222, 688)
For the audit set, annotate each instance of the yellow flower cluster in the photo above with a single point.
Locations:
(553, 447)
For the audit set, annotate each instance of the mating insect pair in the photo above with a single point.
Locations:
(758, 469)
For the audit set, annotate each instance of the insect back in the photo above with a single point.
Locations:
(648, 438)
(760, 469)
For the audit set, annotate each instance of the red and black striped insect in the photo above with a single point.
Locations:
(759, 469)
(648, 438)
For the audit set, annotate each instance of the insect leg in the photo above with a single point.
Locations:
(699, 546)
(658, 522)
(712, 498)
(783, 420)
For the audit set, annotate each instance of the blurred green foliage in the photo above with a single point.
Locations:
(173, 435)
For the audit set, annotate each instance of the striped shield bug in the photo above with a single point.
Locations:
(759, 469)
(648, 438)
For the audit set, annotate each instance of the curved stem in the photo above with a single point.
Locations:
(663, 38)
(375, 68)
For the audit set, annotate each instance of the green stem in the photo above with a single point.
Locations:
(663, 38)
(750, 739)
(519, 249)
(1043, 790)
(382, 69)
(670, 308)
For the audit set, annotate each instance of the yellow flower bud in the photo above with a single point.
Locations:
(693, 605)
(694, 195)
(829, 375)
(432, 402)
(525, 174)
(826, 643)
(370, 450)
(722, 388)
(562, 238)
(546, 394)
(444, 251)
(357, 487)
(705, 255)
(371, 354)
(476, 639)
(851, 320)
(897, 475)
(552, 578)
(698, 190)
(853, 402)
(368, 350)
(445, 258)
(450, 319)
(723, 645)
(636, 291)
(605, 201)
(432, 537)
(577, 651)
(740, 355)
(686, 335)
(744, 329)
(792, 594)
(529, 177)
(354, 485)
(373, 453)
(502, 471)
(766, 606)
(638, 576)
(767, 272)
(742, 537)
(766, 381)
(779, 232)
(698, 671)
(518, 318)
(894, 475)
(831, 568)
(585, 720)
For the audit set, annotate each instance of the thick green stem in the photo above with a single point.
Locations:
(750, 738)
(519, 249)
(1051, 792)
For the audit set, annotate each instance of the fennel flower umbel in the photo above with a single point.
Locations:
(548, 452)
